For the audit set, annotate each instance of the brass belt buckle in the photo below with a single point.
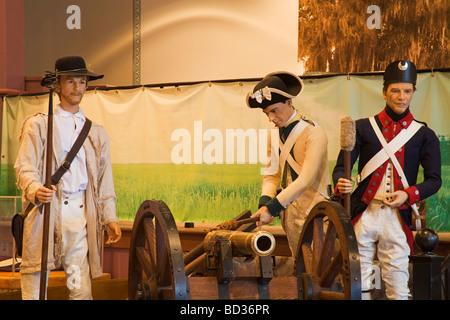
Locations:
(66, 165)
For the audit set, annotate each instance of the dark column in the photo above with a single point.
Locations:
(12, 51)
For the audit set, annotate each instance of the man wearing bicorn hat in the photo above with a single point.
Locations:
(391, 147)
(302, 168)
(82, 201)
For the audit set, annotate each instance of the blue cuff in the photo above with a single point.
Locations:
(263, 200)
(274, 206)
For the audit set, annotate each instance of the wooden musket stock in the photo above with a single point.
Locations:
(46, 213)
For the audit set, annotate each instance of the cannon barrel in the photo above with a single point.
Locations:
(261, 243)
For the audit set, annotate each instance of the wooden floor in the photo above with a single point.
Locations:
(103, 288)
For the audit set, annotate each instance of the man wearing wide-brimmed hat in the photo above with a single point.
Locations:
(82, 202)
(391, 147)
(302, 168)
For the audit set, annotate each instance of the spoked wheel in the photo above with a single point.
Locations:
(327, 264)
(156, 265)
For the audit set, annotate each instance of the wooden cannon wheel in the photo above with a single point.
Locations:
(156, 265)
(327, 263)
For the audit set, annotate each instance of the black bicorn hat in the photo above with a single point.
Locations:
(400, 71)
(273, 88)
(74, 66)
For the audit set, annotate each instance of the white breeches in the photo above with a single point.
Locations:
(74, 257)
(292, 220)
(379, 232)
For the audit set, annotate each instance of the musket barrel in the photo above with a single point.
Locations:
(261, 243)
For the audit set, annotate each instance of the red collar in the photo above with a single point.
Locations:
(386, 120)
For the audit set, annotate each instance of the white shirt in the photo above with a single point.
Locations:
(292, 117)
(386, 185)
(69, 126)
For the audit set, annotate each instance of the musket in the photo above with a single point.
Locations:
(50, 81)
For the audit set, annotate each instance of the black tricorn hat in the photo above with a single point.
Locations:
(400, 71)
(275, 87)
(74, 66)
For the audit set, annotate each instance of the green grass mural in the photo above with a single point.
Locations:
(195, 192)
(210, 192)
(215, 193)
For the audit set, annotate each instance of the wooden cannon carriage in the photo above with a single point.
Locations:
(237, 264)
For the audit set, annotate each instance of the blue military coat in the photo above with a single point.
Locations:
(421, 150)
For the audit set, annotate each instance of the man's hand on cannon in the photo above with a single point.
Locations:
(264, 216)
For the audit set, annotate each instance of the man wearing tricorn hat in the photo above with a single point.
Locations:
(82, 202)
(391, 146)
(302, 168)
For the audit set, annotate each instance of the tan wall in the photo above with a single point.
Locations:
(105, 38)
(181, 41)
(198, 40)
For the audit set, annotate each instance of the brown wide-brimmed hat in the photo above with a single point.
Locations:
(273, 88)
(74, 66)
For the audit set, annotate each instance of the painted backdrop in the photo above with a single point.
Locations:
(202, 150)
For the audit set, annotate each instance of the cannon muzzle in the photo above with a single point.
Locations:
(261, 243)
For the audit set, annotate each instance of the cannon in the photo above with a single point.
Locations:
(261, 243)
(235, 262)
